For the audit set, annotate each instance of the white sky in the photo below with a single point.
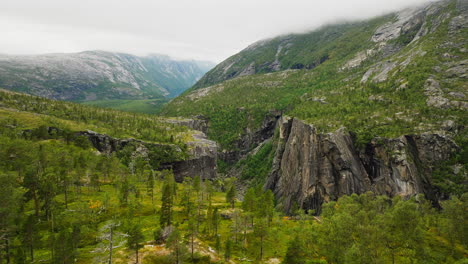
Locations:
(196, 29)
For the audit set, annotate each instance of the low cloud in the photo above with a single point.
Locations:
(202, 29)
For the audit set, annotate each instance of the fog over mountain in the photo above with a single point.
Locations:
(203, 30)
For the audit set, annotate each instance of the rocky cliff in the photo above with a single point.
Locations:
(311, 168)
(201, 159)
(201, 162)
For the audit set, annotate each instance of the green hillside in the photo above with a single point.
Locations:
(346, 144)
(386, 94)
(63, 202)
(149, 106)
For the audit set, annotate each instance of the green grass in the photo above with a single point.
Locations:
(148, 106)
(78, 117)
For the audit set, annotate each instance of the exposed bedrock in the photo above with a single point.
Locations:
(200, 162)
(252, 138)
(311, 168)
(198, 122)
(203, 154)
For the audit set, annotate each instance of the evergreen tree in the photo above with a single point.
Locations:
(295, 253)
(227, 249)
(231, 196)
(218, 244)
(124, 192)
(10, 203)
(192, 233)
(175, 243)
(150, 185)
(64, 251)
(30, 235)
(267, 207)
(135, 236)
(261, 233)
(215, 221)
(249, 203)
(167, 200)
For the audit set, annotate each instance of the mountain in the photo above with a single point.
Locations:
(349, 146)
(377, 105)
(330, 43)
(99, 75)
(136, 182)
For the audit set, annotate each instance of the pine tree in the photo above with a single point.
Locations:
(231, 196)
(175, 243)
(135, 236)
(30, 234)
(215, 221)
(192, 232)
(227, 249)
(167, 200)
(295, 253)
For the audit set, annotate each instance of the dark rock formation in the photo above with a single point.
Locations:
(204, 166)
(107, 144)
(311, 168)
(201, 160)
(252, 138)
(203, 154)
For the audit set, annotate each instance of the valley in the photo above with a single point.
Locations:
(345, 144)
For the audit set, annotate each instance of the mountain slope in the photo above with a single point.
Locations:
(91, 186)
(397, 74)
(329, 43)
(384, 111)
(97, 75)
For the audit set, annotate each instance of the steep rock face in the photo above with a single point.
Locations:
(107, 144)
(311, 168)
(201, 160)
(203, 154)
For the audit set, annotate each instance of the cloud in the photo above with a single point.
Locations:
(202, 29)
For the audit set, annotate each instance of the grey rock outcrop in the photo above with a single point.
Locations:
(196, 123)
(200, 162)
(437, 98)
(203, 154)
(458, 69)
(405, 21)
(311, 168)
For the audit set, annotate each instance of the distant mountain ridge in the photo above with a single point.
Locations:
(99, 75)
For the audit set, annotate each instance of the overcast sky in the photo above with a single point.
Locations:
(197, 29)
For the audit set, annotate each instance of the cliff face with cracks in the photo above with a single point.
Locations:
(311, 168)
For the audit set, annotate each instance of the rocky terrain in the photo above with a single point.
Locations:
(201, 160)
(323, 167)
(377, 105)
(98, 75)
